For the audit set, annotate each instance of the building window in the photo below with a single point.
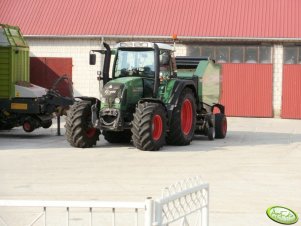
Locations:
(290, 55)
(193, 51)
(251, 55)
(236, 54)
(207, 51)
(233, 54)
(265, 54)
(222, 54)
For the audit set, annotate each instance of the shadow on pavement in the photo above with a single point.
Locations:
(13, 140)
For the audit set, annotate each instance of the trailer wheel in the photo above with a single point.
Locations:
(79, 130)
(183, 120)
(220, 126)
(46, 124)
(149, 126)
(117, 136)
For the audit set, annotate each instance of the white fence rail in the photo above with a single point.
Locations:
(184, 203)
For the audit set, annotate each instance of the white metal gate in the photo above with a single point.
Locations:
(183, 203)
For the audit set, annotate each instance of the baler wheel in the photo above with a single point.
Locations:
(183, 120)
(149, 126)
(79, 130)
(220, 126)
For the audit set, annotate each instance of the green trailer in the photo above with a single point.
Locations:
(22, 103)
(14, 60)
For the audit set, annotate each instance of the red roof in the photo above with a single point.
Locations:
(198, 18)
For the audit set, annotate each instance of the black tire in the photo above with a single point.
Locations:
(149, 126)
(46, 124)
(211, 133)
(117, 136)
(79, 131)
(178, 135)
(220, 126)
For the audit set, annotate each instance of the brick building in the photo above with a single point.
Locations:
(257, 41)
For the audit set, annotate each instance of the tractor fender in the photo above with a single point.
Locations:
(92, 100)
(153, 100)
(95, 106)
(179, 86)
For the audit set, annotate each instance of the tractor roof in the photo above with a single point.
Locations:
(143, 45)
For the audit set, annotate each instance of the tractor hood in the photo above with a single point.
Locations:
(121, 92)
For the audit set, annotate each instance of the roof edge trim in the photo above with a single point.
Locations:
(179, 38)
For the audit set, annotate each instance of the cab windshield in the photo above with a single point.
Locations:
(135, 63)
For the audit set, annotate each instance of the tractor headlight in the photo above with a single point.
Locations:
(117, 100)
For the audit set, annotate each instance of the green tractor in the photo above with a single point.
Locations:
(152, 98)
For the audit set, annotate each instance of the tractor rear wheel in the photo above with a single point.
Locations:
(79, 130)
(117, 136)
(149, 126)
(220, 126)
(183, 120)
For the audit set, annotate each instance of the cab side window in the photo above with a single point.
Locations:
(165, 63)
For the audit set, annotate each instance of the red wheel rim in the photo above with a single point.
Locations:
(186, 117)
(27, 126)
(90, 132)
(157, 127)
(224, 127)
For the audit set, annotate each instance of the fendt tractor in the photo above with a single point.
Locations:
(22, 103)
(151, 98)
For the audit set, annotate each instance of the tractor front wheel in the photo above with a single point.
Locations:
(79, 130)
(149, 126)
(183, 120)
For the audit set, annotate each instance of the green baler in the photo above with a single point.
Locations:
(22, 103)
(208, 73)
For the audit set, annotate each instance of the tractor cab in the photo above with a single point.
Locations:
(139, 59)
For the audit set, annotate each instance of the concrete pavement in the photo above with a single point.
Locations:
(255, 167)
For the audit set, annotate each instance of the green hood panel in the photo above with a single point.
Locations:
(131, 93)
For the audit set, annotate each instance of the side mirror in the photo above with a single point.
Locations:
(92, 60)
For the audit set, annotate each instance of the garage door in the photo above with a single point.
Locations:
(291, 92)
(247, 89)
(44, 71)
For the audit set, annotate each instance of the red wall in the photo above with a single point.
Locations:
(291, 92)
(247, 89)
(44, 71)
